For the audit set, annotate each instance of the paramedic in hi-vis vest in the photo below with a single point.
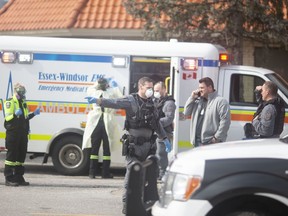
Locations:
(16, 123)
(101, 127)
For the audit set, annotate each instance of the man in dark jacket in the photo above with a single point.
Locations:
(166, 107)
(268, 120)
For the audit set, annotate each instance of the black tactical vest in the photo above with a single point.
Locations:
(144, 115)
(280, 117)
(161, 104)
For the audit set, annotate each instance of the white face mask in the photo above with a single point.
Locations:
(149, 92)
(157, 95)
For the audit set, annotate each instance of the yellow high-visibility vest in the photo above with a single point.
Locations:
(12, 105)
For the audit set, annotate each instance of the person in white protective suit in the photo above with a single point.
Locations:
(100, 127)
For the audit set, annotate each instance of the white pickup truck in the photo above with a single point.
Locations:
(248, 177)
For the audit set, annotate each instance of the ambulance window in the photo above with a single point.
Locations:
(154, 67)
(242, 89)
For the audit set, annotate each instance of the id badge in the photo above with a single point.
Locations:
(202, 112)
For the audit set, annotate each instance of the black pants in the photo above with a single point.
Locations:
(97, 136)
(16, 144)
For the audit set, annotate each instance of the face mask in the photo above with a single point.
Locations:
(157, 95)
(149, 92)
(21, 93)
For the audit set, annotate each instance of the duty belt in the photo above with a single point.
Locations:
(138, 140)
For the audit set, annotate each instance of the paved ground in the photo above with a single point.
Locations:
(58, 195)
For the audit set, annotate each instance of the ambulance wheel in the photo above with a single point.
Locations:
(68, 157)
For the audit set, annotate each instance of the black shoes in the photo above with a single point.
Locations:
(108, 176)
(22, 182)
(12, 184)
(91, 176)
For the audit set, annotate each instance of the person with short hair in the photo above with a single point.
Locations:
(210, 114)
(17, 127)
(166, 107)
(268, 121)
(141, 123)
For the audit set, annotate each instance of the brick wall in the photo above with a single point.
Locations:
(248, 52)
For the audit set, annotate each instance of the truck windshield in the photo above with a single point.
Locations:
(280, 82)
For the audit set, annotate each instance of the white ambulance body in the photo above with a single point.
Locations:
(58, 71)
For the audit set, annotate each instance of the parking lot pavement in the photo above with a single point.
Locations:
(50, 193)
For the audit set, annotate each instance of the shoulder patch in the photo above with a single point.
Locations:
(268, 115)
(8, 104)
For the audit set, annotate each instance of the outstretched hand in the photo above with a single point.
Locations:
(91, 100)
(37, 111)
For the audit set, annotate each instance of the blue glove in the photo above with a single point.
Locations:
(37, 111)
(18, 112)
(91, 100)
(167, 145)
(113, 84)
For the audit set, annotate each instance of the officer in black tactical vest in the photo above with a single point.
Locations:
(16, 123)
(142, 121)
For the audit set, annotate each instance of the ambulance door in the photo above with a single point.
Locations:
(185, 74)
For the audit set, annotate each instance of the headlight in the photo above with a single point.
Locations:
(178, 187)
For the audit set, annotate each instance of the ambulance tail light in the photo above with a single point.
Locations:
(8, 57)
(190, 64)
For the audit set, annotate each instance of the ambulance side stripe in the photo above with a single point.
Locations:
(74, 58)
(57, 107)
(39, 137)
(101, 59)
(1, 106)
(209, 63)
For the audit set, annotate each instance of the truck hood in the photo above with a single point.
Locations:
(193, 161)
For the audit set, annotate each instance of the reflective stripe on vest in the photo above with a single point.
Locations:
(12, 107)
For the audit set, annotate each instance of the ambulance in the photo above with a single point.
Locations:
(58, 71)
